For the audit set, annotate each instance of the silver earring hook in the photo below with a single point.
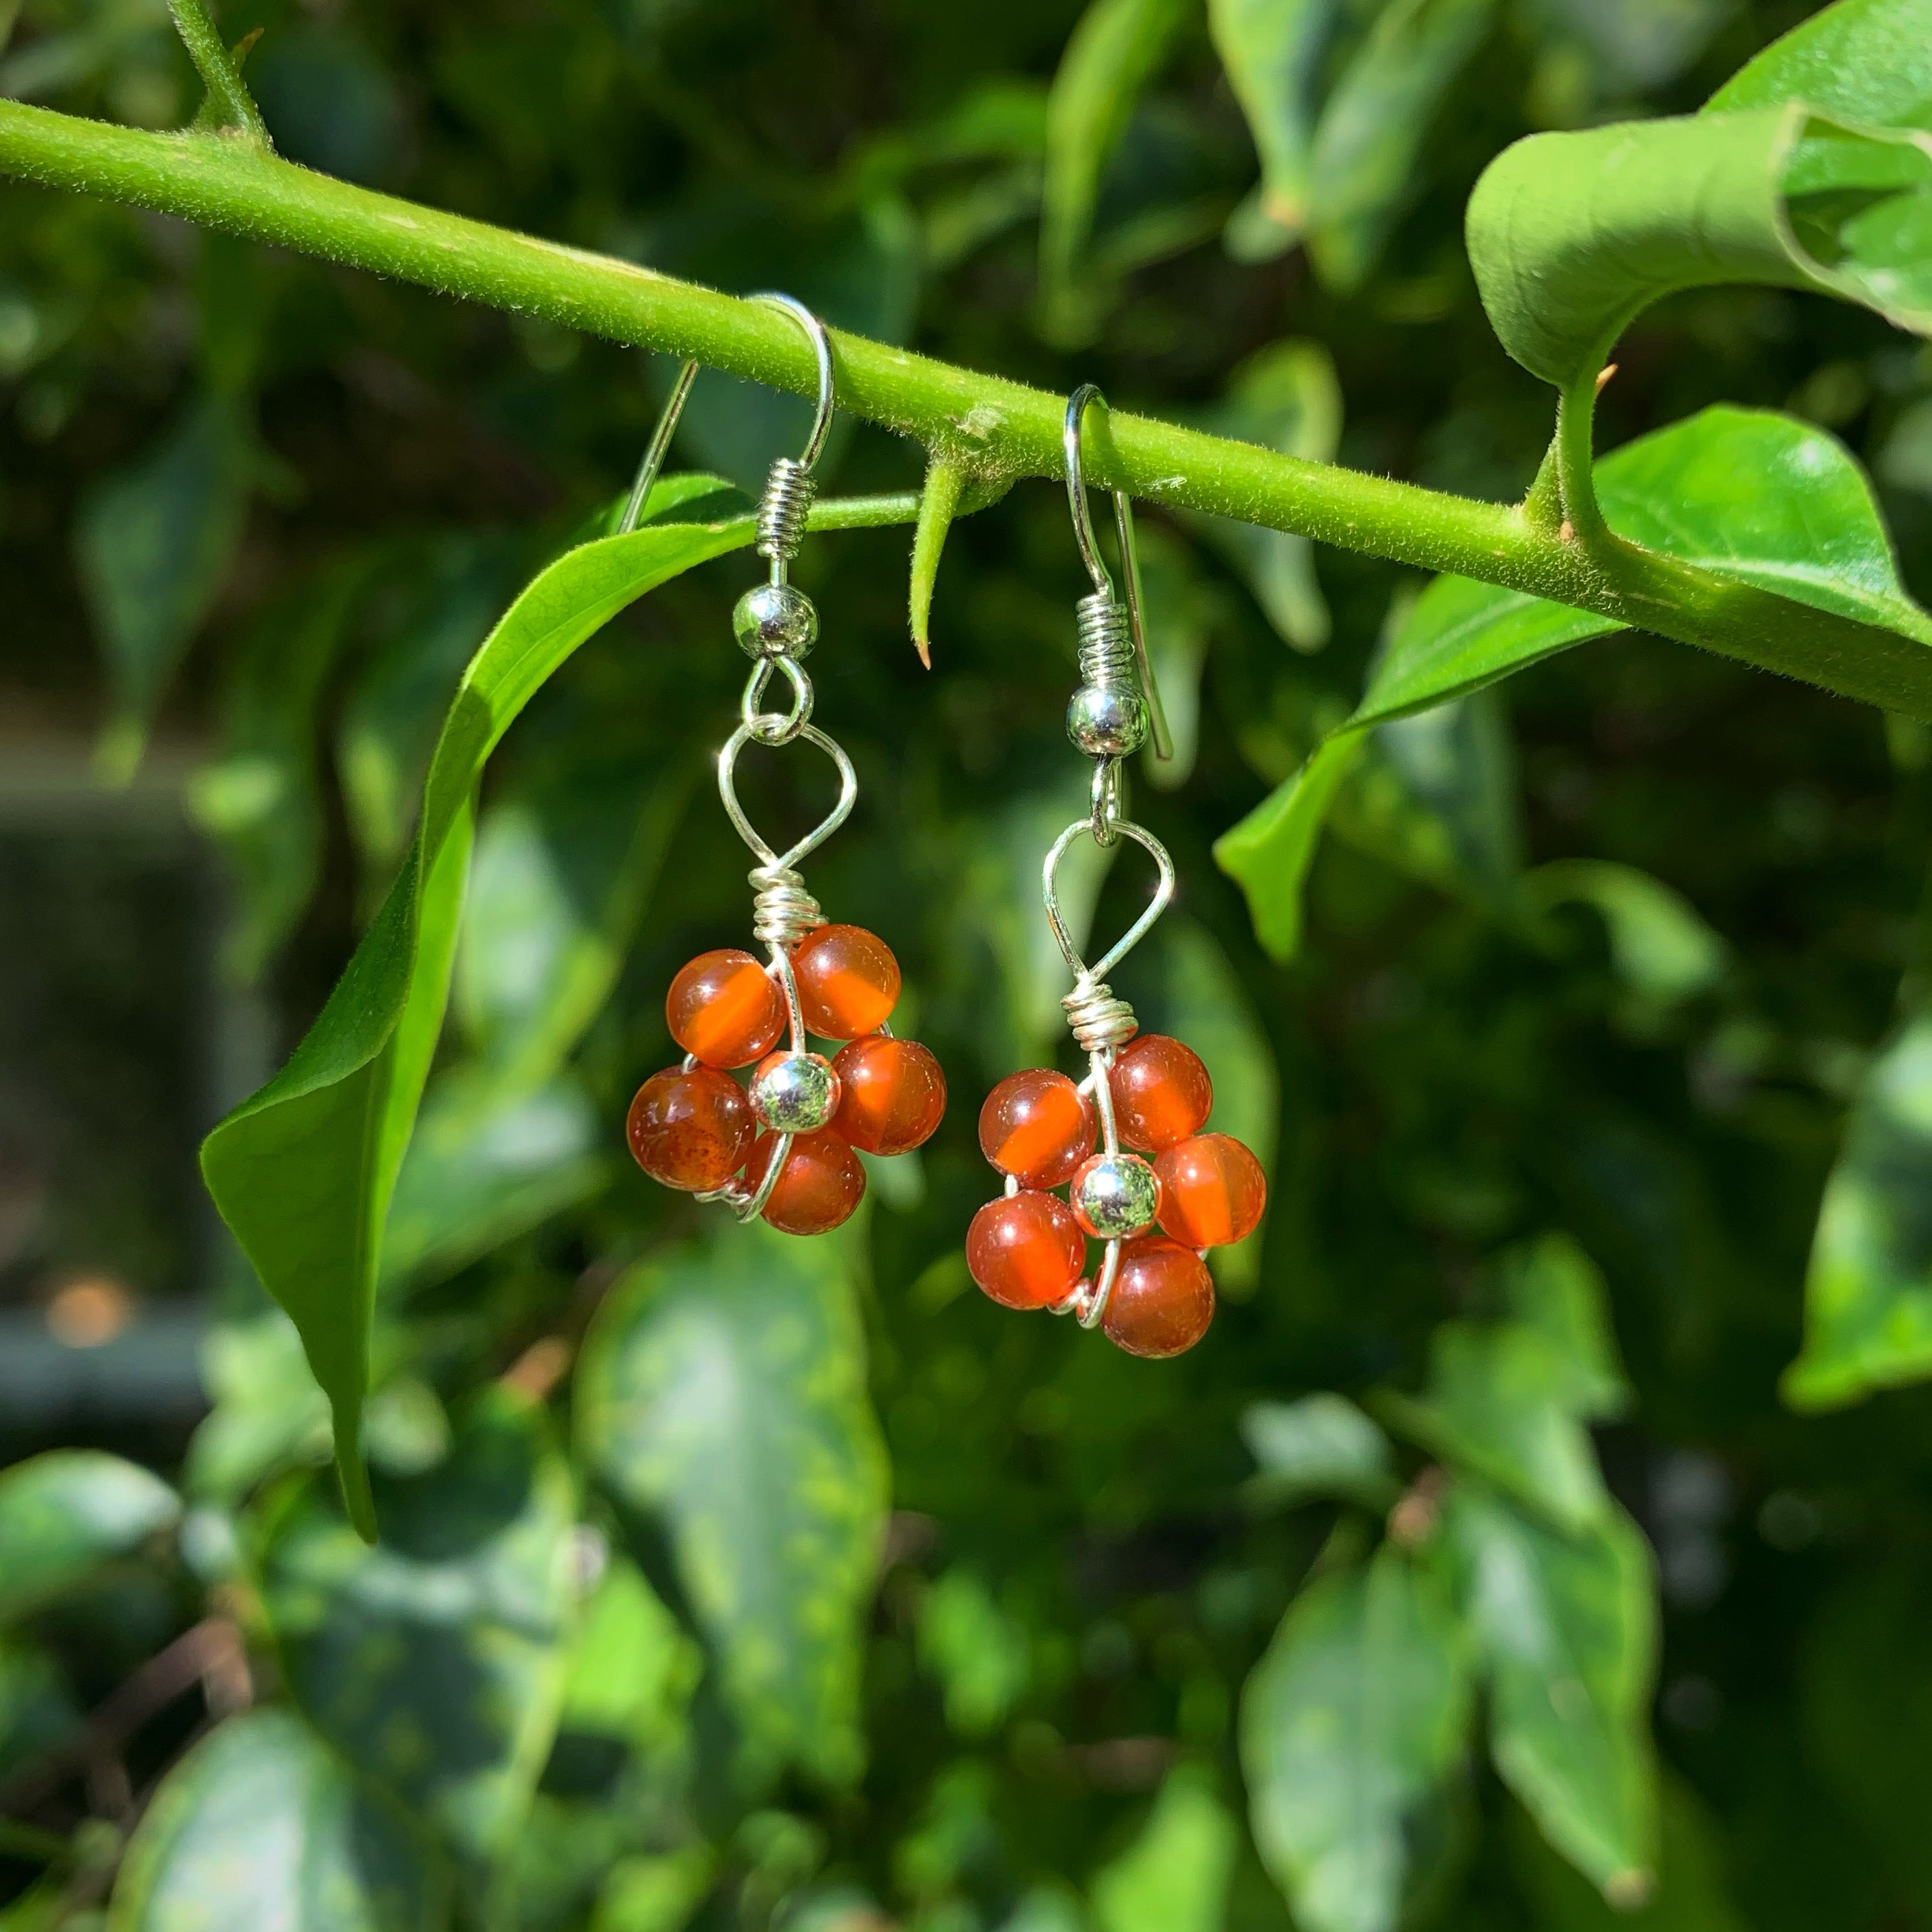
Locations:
(1130, 557)
(821, 349)
(657, 449)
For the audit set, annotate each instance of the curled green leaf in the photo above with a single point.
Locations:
(1571, 234)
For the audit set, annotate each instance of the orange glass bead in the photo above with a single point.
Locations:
(1163, 1301)
(893, 1093)
(1212, 1191)
(1038, 1126)
(725, 1009)
(848, 981)
(1161, 1092)
(1025, 1250)
(690, 1130)
(820, 1186)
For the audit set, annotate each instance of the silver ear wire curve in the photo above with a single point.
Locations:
(657, 449)
(821, 349)
(1130, 562)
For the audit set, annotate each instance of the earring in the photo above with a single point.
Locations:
(1153, 1294)
(783, 1148)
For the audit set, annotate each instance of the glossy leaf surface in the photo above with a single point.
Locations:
(723, 1389)
(1373, 125)
(1868, 1291)
(1322, 1445)
(261, 1825)
(1348, 1725)
(435, 1662)
(1565, 1626)
(303, 1171)
(66, 1512)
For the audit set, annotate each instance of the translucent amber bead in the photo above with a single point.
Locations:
(690, 1130)
(820, 1185)
(725, 1009)
(1212, 1191)
(848, 981)
(1025, 1250)
(894, 1093)
(1036, 1125)
(1163, 1301)
(1161, 1092)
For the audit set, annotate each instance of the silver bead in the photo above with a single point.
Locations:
(1107, 722)
(1117, 1195)
(775, 620)
(795, 1092)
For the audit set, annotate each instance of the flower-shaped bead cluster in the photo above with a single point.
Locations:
(1028, 1249)
(695, 1127)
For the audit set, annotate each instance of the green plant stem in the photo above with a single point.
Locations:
(992, 429)
(1575, 451)
(209, 53)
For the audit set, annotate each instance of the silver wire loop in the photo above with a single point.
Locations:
(1163, 896)
(656, 450)
(1130, 560)
(727, 789)
(776, 727)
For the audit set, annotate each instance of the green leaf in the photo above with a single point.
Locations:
(1552, 1286)
(1348, 1726)
(1865, 60)
(1566, 1626)
(1868, 1290)
(1321, 1446)
(259, 798)
(1744, 493)
(153, 544)
(564, 865)
(260, 1824)
(654, 1893)
(1572, 235)
(632, 1668)
(1116, 49)
(268, 1413)
(1638, 43)
(302, 1171)
(488, 1162)
(1501, 1404)
(1284, 397)
(1691, 1895)
(1373, 126)
(1271, 49)
(1175, 1876)
(723, 1388)
(1269, 853)
(66, 1514)
(1439, 800)
(979, 1651)
(1662, 950)
(436, 1663)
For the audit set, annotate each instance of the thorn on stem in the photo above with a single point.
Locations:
(1604, 374)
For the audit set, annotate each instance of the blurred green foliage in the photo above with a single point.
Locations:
(1471, 1572)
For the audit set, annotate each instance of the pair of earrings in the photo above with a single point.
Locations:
(783, 1147)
